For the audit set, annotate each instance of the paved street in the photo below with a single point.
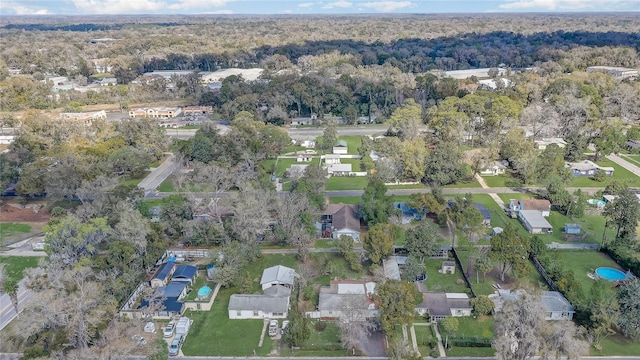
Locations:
(158, 175)
(625, 164)
(7, 310)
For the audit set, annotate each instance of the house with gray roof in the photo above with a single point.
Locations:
(258, 306)
(588, 168)
(534, 222)
(439, 305)
(277, 275)
(341, 219)
(347, 299)
(556, 305)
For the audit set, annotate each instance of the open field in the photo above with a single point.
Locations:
(14, 266)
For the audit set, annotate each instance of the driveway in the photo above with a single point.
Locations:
(373, 344)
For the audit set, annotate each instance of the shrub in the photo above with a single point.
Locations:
(434, 354)
(321, 325)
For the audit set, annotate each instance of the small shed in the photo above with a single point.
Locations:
(497, 230)
(573, 229)
(448, 267)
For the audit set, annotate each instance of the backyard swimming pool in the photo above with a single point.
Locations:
(610, 274)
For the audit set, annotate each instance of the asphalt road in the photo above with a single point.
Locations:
(158, 175)
(7, 311)
(309, 133)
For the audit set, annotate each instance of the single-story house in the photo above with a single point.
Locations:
(277, 275)
(331, 159)
(493, 168)
(163, 275)
(588, 168)
(339, 169)
(534, 222)
(304, 120)
(541, 205)
(544, 142)
(633, 145)
(485, 213)
(170, 296)
(573, 229)
(257, 306)
(185, 273)
(341, 219)
(556, 305)
(407, 213)
(304, 158)
(109, 82)
(347, 298)
(309, 144)
(439, 305)
(296, 171)
(154, 213)
(341, 148)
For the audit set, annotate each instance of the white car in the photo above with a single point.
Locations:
(168, 331)
(284, 326)
(273, 327)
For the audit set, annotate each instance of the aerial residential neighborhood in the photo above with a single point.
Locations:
(370, 179)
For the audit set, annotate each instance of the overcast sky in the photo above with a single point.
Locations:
(88, 7)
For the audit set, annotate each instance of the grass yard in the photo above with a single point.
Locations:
(353, 142)
(517, 196)
(322, 343)
(336, 183)
(408, 186)
(619, 173)
(442, 282)
(617, 345)
(9, 229)
(345, 199)
(201, 281)
(14, 265)
(463, 184)
(496, 181)
(134, 181)
(583, 262)
(424, 336)
(332, 266)
(214, 334)
(481, 327)
(166, 185)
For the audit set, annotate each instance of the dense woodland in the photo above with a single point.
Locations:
(382, 68)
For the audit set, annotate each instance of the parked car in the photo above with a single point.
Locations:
(273, 327)
(284, 326)
(168, 331)
(174, 348)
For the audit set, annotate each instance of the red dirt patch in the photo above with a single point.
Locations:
(29, 213)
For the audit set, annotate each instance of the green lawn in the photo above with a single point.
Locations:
(214, 334)
(282, 164)
(424, 335)
(9, 229)
(517, 196)
(442, 282)
(166, 185)
(333, 266)
(481, 327)
(14, 265)
(321, 343)
(346, 183)
(495, 181)
(345, 199)
(583, 262)
(463, 184)
(134, 181)
(619, 173)
(617, 345)
(409, 186)
(353, 142)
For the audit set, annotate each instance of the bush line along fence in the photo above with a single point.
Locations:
(552, 285)
(464, 276)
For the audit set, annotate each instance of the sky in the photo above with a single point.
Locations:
(130, 7)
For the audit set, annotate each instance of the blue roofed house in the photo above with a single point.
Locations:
(588, 168)
(185, 273)
(407, 213)
(163, 275)
(485, 213)
(168, 299)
